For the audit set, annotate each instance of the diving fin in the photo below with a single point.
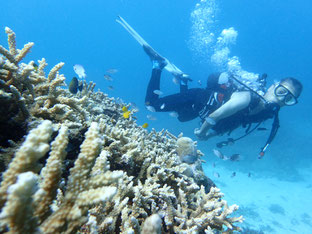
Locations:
(170, 67)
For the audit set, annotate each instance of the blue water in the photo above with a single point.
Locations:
(274, 36)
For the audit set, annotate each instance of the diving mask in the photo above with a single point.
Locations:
(285, 96)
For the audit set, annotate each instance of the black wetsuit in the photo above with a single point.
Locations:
(189, 103)
(197, 102)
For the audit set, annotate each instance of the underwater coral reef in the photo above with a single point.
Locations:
(72, 162)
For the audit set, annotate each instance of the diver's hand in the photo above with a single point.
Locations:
(204, 136)
(197, 132)
(200, 134)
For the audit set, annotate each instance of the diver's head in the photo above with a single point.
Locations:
(285, 93)
(216, 79)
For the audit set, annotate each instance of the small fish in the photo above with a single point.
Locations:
(233, 174)
(219, 154)
(174, 114)
(162, 106)
(158, 92)
(235, 157)
(262, 129)
(214, 165)
(80, 71)
(145, 125)
(249, 174)
(108, 77)
(112, 71)
(110, 87)
(193, 106)
(124, 109)
(216, 174)
(126, 114)
(73, 85)
(199, 82)
(150, 108)
(35, 65)
(150, 117)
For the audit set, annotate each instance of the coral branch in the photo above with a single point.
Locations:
(51, 175)
(35, 146)
(17, 213)
(11, 41)
(24, 52)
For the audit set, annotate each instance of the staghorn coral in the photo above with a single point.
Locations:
(123, 179)
(26, 92)
(156, 183)
(19, 207)
(90, 182)
(35, 147)
(83, 188)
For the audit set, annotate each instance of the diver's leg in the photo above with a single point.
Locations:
(172, 102)
(168, 103)
(177, 102)
(154, 84)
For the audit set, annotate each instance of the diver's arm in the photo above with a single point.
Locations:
(237, 102)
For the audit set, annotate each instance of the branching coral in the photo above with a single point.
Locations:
(84, 188)
(90, 182)
(123, 179)
(34, 93)
(157, 185)
(35, 147)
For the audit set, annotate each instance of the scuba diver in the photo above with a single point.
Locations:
(224, 105)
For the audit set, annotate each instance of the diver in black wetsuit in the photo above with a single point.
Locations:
(188, 103)
(222, 105)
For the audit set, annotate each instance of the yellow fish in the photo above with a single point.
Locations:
(124, 109)
(145, 125)
(126, 114)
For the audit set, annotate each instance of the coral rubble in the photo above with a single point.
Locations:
(84, 167)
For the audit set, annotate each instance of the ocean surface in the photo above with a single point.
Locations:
(266, 36)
